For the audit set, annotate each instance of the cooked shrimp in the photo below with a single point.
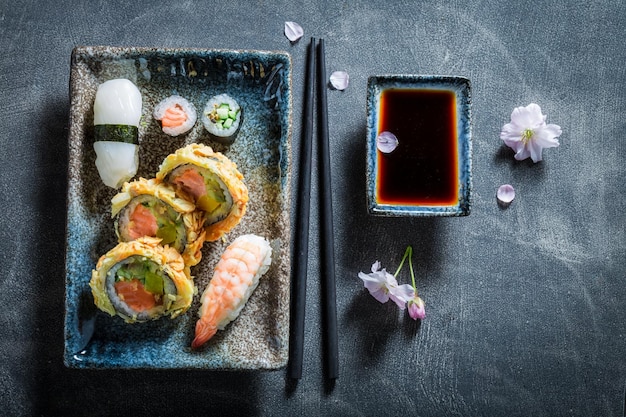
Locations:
(236, 276)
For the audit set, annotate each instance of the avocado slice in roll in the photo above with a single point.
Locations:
(142, 280)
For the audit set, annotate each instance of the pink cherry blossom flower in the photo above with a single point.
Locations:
(528, 134)
(383, 286)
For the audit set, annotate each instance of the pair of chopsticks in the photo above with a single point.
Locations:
(327, 258)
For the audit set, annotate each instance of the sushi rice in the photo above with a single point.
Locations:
(176, 114)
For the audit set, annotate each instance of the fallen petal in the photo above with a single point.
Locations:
(293, 31)
(339, 80)
(506, 193)
(401, 294)
(386, 142)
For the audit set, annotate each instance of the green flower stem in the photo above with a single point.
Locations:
(407, 253)
(411, 269)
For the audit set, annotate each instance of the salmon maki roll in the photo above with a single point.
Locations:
(151, 208)
(142, 280)
(176, 115)
(212, 182)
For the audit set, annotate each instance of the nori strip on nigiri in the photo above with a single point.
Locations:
(117, 133)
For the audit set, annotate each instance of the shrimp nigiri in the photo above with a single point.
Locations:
(236, 276)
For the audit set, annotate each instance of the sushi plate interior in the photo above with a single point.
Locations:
(261, 83)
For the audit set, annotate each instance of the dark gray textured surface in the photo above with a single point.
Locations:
(526, 306)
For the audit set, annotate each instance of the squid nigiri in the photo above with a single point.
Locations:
(236, 276)
(116, 113)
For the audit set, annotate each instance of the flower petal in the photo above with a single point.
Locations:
(514, 143)
(521, 153)
(535, 150)
(511, 132)
(376, 287)
(373, 278)
(528, 117)
(546, 137)
(401, 294)
(380, 295)
(386, 142)
(339, 80)
(390, 279)
(293, 31)
(376, 266)
(506, 193)
(554, 130)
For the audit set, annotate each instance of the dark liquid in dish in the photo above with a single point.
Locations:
(423, 169)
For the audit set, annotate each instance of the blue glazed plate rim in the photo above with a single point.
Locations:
(258, 339)
(462, 88)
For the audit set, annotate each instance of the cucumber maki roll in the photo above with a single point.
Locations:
(151, 208)
(222, 117)
(142, 280)
(176, 115)
(212, 182)
(116, 114)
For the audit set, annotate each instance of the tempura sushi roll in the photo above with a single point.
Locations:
(222, 117)
(151, 208)
(212, 182)
(141, 280)
(176, 115)
(116, 113)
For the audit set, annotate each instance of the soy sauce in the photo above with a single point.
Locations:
(423, 169)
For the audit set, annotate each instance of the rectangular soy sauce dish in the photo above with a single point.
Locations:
(428, 173)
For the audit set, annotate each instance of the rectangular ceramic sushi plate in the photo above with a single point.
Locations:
(261, 83)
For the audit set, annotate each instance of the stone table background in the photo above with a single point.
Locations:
(526, 305)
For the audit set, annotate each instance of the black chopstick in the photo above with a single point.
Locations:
(327, 255)
(296, 341)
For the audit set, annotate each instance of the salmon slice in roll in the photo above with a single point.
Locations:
(141, 281)
(151, 208)
(212, 182)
